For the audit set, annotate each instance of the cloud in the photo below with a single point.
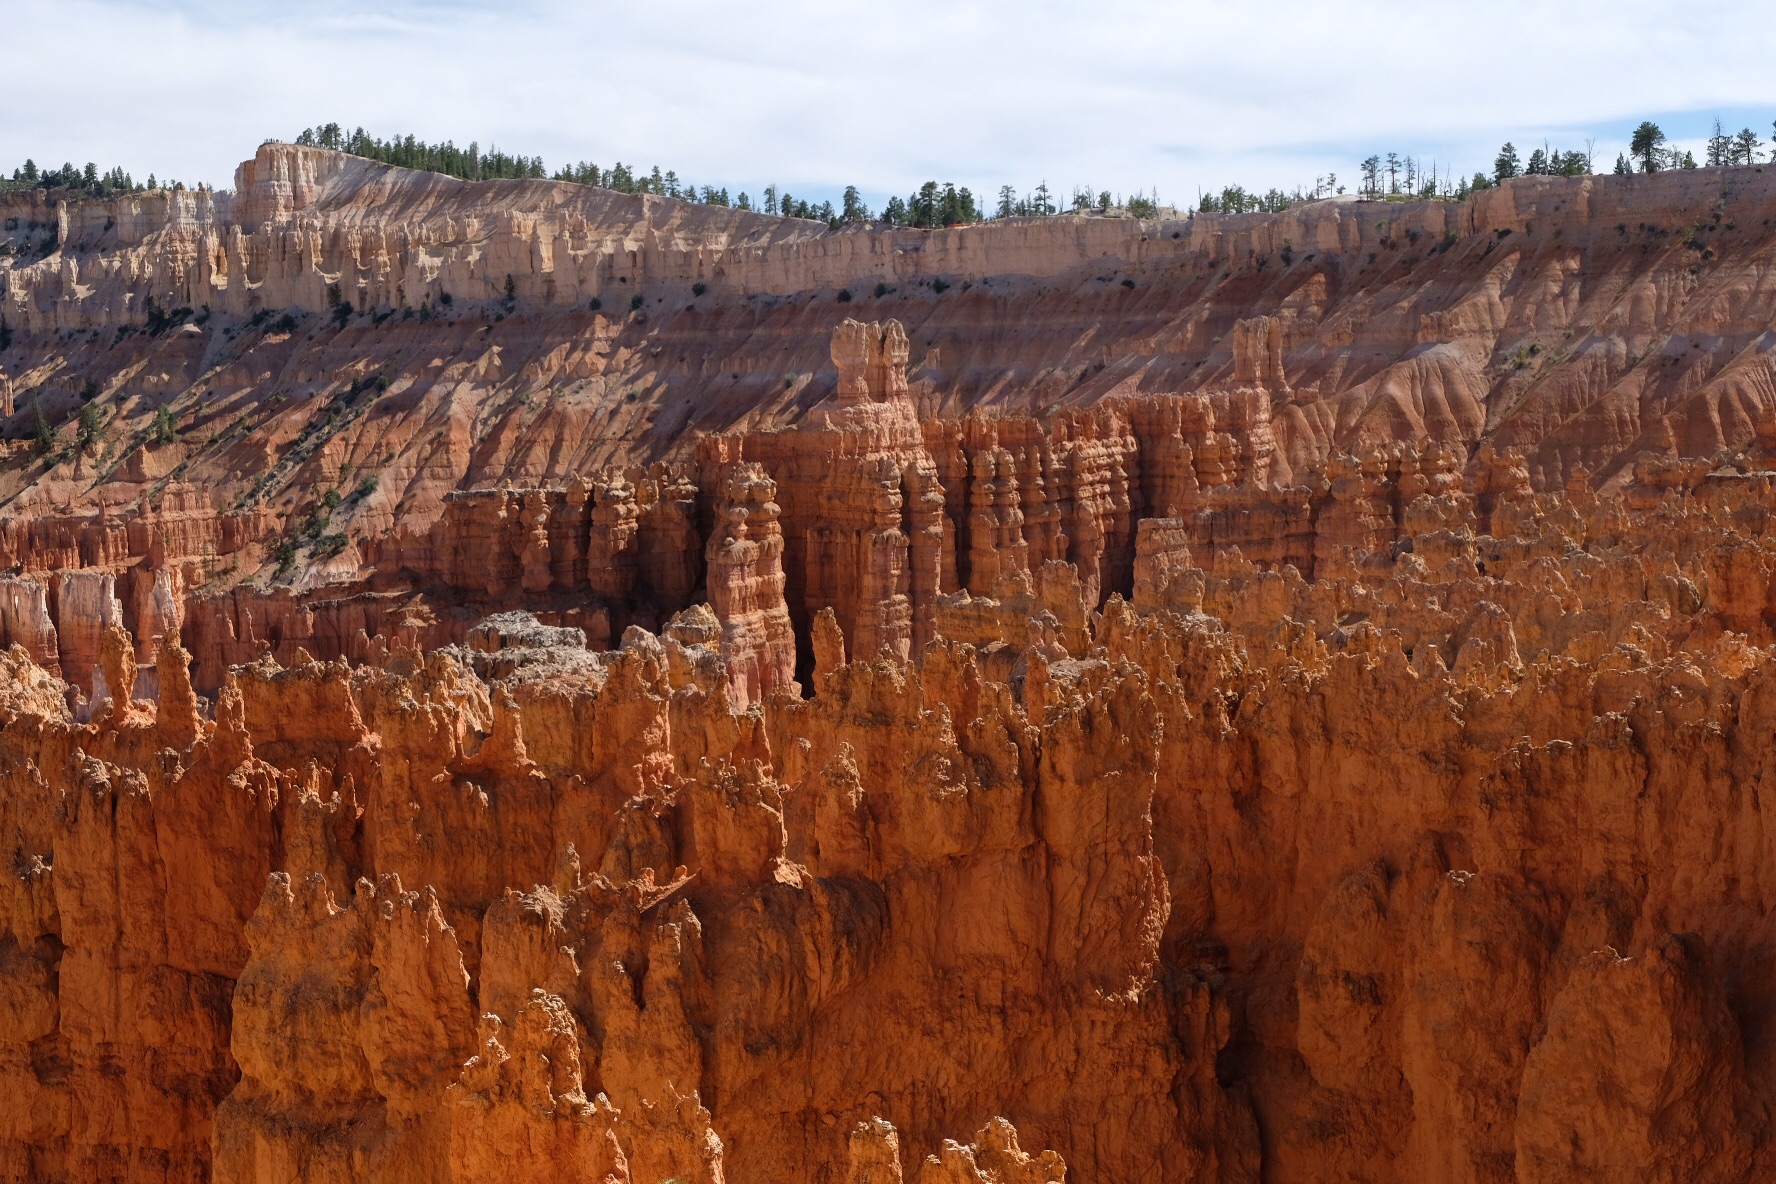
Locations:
(1116, 94)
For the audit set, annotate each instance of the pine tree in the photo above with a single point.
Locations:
(1505, 166)
(1371, 169)
(1622, 169)
(1645, 144)
(1745, 147)
(1720, 147)
(922, 207)
(853, 208)
(46, 436)
(1007, 201)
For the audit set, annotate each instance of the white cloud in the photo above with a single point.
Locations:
(1115, 93)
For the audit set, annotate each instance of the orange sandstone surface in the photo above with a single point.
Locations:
(888, 706)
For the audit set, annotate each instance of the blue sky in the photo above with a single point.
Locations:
(1113, 94)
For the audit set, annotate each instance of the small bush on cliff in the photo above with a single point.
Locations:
(160, 320)
(165, 428)
(46, 436)
(89, 426)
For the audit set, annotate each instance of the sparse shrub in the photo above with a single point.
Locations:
(46, 436)
(844, 295)
(89, 427)
(636, 301)
(165, 428)
(698, 288)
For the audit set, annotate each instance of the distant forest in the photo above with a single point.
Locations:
(88, 180)
(931, 205)
(1390, 177)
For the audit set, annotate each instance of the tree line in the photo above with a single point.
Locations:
(409, 152)
(931, 205)
(1650, 151)
(1396, 175)
(86, 180)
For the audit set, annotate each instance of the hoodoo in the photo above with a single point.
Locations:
(516, 681)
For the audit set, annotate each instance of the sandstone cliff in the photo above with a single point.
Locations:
(1445, 865)
(1306, 713)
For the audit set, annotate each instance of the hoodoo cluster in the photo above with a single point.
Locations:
(1288, 730)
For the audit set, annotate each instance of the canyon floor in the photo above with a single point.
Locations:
(513, 681)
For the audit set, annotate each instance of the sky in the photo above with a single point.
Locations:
(1124, 95)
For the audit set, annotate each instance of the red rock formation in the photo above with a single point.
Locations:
(1161, 839)
(862, 504)
(1303, 723)
(746, 587)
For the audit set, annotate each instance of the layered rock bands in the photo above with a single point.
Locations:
(1296, 732)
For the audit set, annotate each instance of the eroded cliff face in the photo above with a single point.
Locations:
(1301, 717)
(326, 379)
(1446, 865)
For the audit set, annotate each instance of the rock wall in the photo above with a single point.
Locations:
(1305, 720)
(1140, 880)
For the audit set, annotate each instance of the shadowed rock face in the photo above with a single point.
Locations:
(1306, 714)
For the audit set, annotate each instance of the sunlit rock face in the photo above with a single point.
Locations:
(886, 705)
